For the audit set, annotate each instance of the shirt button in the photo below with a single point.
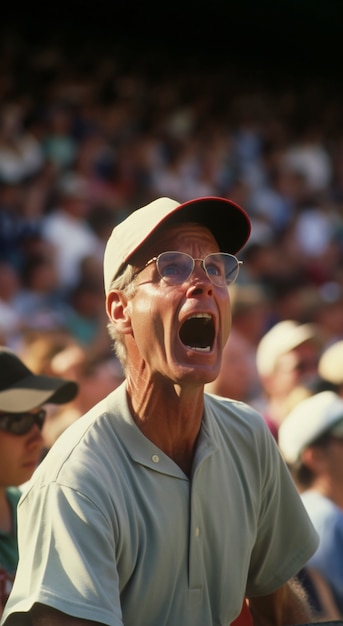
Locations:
(155, 458)
(197, 531)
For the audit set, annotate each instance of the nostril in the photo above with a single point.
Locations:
(199, 289)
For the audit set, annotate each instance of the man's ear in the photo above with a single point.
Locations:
(118, 311)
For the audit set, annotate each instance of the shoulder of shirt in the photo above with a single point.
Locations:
(232, 406)
(235, 412)
(238, 422)
(68, 444)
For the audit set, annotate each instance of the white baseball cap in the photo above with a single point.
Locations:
(330, 366)
(228, 222)
(280, 339)
(310, 419)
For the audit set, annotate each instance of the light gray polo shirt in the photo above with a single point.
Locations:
(112, 530)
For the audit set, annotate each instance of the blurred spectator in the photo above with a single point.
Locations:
(38, 347)
(13, 227)
(237, 378)
(311, 439)
(96, 375)
(21, 155)
(287, 355)
(38, 301)
(84, 316)
(267, 260)
(23, 395)
(251, 311)
(326, 311)
(57, 353)
(98, 163)
(309, 156)
(67, 230)
(59, 145)
(330, 366)
(11, 323)
(291, 298)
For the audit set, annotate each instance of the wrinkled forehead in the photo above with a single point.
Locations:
(176, 236)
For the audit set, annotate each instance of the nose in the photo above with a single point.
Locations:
(199, 268)
(200, 263)
(34, 436)
(199, 280)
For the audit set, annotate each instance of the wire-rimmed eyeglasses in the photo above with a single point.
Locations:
(176, 267)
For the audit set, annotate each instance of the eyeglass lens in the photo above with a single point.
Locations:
(176, 267)
(21, 423)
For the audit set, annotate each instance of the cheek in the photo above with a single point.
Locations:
(9, 453)
(225, 307)
(151, 311)
(142, 315)
(285, 382)
(152, 322)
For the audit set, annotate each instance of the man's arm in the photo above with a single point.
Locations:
(42, 615)
(286, 606)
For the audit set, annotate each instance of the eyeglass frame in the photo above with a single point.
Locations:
(156, 259)
(11, 419)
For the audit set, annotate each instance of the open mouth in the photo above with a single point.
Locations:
(197, 332)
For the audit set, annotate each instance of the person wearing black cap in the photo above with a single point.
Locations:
(164, 505)
(22, 396)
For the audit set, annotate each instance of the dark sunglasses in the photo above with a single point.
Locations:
(21, 423)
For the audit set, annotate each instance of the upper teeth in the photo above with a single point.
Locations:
(201, 315)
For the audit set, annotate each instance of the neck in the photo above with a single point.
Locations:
(170, 416)
(5, 512)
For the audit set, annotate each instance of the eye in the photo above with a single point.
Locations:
(171, 269)
(174, 266)
(214, 269)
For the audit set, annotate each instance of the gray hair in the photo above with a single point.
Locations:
(126, 284)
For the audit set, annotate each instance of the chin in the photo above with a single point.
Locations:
(196, 375)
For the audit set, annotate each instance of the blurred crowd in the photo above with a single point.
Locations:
(89, 133)
(87, 136)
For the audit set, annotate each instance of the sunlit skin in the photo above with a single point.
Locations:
(165, 379)
(19, 456)
(326, 462)
(237, 374)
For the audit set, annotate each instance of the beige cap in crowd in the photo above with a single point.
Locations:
(310, 419)
(227, 221)
(330, 366)
(280, 339)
